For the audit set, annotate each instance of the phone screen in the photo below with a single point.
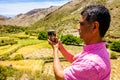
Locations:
(52, 35)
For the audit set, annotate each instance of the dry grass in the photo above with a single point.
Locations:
(25, 65)
(32, 49)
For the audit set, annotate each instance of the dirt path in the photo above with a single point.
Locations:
(115, 73)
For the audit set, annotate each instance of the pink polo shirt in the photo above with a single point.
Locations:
(92, 64)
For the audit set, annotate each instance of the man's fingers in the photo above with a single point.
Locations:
(56, 39)
(50, 42)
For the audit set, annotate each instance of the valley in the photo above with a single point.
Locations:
(23, 56)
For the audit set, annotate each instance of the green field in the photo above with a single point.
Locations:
(35, 54)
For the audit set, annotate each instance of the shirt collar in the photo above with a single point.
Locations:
(94, 46)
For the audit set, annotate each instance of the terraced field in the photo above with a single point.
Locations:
(33, 64)
(25, 65)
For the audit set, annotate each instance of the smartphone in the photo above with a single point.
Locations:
(52, 35)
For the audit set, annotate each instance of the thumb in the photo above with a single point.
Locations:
(50, 42)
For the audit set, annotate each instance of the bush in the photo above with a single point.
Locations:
(6, 72)
(115, 46)
(42, 35)
(23, 37)
(11, 29)
(3, 73)
(7, 41)
(18, 57)
(70, 39)
(113, 55)
(31, 32)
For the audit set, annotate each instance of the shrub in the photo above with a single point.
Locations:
(31, 32)
(3, 73)
(42, 35)
(18, 57)
(7, 41)
(113, 55)
(11, 29)
(6, 72)
(115, 46)
(78, 41)
(67, 39)
(23, 37)
(27, 32)
(71, 39)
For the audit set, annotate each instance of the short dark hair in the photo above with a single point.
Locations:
(98, 13)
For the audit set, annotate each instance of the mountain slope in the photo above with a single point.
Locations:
(2, 19)
(31, 16)
(114, 7)
(65, 19)
(62, 19)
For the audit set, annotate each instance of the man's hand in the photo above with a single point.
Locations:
(54, 44)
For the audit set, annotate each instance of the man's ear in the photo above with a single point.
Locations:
(95, 26)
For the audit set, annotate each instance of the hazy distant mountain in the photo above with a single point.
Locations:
(30, 17)
(2, 19)
(65, 19)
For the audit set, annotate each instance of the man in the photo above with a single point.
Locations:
(93, 63)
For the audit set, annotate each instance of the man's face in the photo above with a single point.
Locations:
(84, 28)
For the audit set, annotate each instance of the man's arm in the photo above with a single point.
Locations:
(58, 71)
(65, 53)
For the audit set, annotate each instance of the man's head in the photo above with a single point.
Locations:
(96, 20)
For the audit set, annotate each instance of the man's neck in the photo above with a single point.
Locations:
(93, 41)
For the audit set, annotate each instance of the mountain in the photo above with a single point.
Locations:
(30, 17)
(65, 19)
(2, 19)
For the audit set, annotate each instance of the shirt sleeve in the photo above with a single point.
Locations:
(81, 71)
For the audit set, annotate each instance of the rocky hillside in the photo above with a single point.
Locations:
(114, 7)
(65, 19)
(30, 17)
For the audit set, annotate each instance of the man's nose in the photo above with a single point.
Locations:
(78, 27)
